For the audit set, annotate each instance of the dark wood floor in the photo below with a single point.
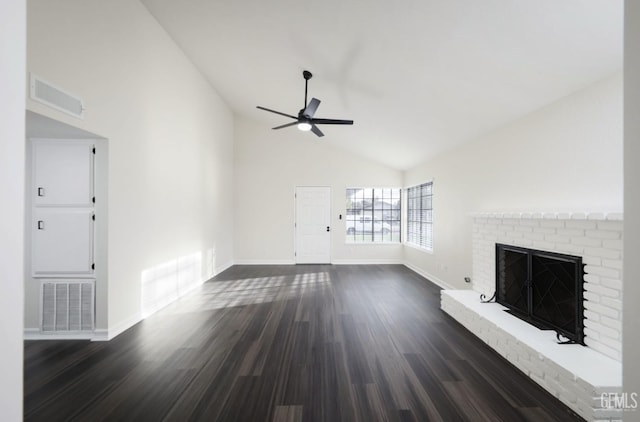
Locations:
(288, 343)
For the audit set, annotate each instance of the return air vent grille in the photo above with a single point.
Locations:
(67, 306)
(48, 94)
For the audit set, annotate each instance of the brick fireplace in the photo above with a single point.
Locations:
(578, 375)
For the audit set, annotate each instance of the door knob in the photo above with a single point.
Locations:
(328, 228)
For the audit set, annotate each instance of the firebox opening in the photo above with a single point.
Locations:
(542, 288)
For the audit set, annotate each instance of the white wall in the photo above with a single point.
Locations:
(564, 157)
(268, 166)
(170, 139)
(631, 270)
(12, 82)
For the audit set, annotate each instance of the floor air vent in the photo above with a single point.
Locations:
(54, 97)
(67, 306)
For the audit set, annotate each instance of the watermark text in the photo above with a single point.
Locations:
(623, 401)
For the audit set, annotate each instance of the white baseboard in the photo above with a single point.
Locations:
(31, 332)
(435, 280)
(223, 267)
(100, 334)
(264, 262)
(122, 326)
(375, 261)
(36, 334)
(334, 262)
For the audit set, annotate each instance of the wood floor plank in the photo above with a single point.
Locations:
(288, 414)
(469, 405)
(312, 343)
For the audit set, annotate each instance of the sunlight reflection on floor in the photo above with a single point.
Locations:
(250, 291)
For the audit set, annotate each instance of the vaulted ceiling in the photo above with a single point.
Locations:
(417, 76)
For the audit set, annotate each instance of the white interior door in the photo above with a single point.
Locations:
(313, 225)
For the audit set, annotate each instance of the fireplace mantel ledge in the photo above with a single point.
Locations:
(611, 216)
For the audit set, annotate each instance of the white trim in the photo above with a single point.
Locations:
(101, 334)
(373, 261)
(430, 277)
(123, 326)
(36, 334)
(264, 262)
(222, 268)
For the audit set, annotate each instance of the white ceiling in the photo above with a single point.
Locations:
(417, 76)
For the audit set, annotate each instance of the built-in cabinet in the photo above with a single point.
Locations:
(62, 202)
(63, 208)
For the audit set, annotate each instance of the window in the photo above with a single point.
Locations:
(373, 215)
(420, 215)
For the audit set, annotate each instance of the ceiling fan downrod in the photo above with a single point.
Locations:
(306, 75)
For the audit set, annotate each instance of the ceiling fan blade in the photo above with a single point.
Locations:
(317, 131)
(287, 125)
(310, 110)
(277, 112)
(331, 122)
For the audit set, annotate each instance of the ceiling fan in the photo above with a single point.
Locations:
(305, 119)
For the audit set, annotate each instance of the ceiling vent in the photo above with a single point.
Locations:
(52, 96)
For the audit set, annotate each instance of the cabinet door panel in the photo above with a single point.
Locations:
(63, 173)
(62, 241)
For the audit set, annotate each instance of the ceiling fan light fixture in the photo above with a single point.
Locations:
(304, 126)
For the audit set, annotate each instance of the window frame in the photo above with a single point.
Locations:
(421, 221)
(350, 239)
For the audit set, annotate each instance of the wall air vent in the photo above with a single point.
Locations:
(52, 96)
(67, 306)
